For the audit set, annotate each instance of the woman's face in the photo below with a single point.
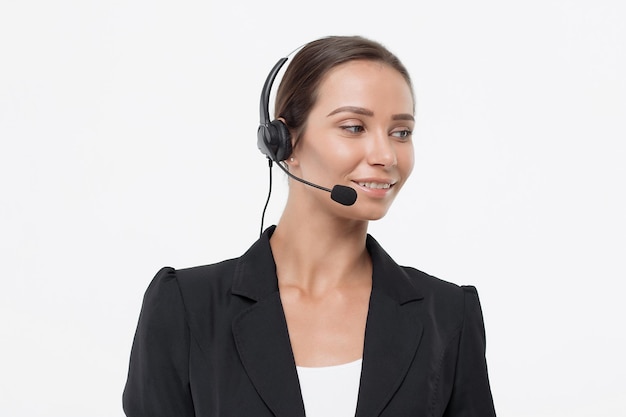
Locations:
(358, 134)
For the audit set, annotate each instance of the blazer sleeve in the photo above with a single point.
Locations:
(471, 393)
(158, 377)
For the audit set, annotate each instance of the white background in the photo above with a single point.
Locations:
(128, 142)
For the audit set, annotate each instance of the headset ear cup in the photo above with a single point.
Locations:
(282, 139)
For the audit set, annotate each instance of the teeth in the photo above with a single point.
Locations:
(374, 185)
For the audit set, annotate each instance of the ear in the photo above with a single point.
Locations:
(292, 138)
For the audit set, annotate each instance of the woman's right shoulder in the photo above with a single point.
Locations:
(197, 281)
(211, 274)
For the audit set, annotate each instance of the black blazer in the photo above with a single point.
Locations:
(212, 341)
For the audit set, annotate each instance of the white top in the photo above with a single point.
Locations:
(330, 391)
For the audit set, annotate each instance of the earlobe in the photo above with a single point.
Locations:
(292, 161)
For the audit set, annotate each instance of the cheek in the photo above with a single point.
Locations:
(345, 152)
(336, 155)
(406, 160)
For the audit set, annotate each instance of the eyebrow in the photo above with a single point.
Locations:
(351, 109)
(366, 112)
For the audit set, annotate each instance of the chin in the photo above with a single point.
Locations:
(371, 214)
(378, 216)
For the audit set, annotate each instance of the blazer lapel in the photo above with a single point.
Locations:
(261, 334)
(392, 334)
(263, 344)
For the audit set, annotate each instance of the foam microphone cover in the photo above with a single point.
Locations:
(343, 195)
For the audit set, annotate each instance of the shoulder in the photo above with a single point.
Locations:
(206, 275)
(194, 278)
(430, 283)
(443, 297)
(408, 283)
(195, 297)
(433, 287)
(197, 283)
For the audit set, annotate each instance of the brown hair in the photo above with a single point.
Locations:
(298, 89)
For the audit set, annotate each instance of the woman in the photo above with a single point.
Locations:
(315, 317)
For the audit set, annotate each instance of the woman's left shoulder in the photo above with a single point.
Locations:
(441, 293)
(430, 284)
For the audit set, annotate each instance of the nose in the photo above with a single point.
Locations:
(382, 151)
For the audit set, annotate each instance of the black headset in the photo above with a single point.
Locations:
(274, 141)
(273, 137)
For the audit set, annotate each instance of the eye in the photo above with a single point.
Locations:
(353, 129)
(402, 134)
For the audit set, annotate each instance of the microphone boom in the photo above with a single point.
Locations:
(340, 193)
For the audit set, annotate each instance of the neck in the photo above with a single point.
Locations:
(317, 253)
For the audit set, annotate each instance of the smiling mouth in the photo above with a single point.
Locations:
(375, 185)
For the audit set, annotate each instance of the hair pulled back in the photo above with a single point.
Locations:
(298, 89)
